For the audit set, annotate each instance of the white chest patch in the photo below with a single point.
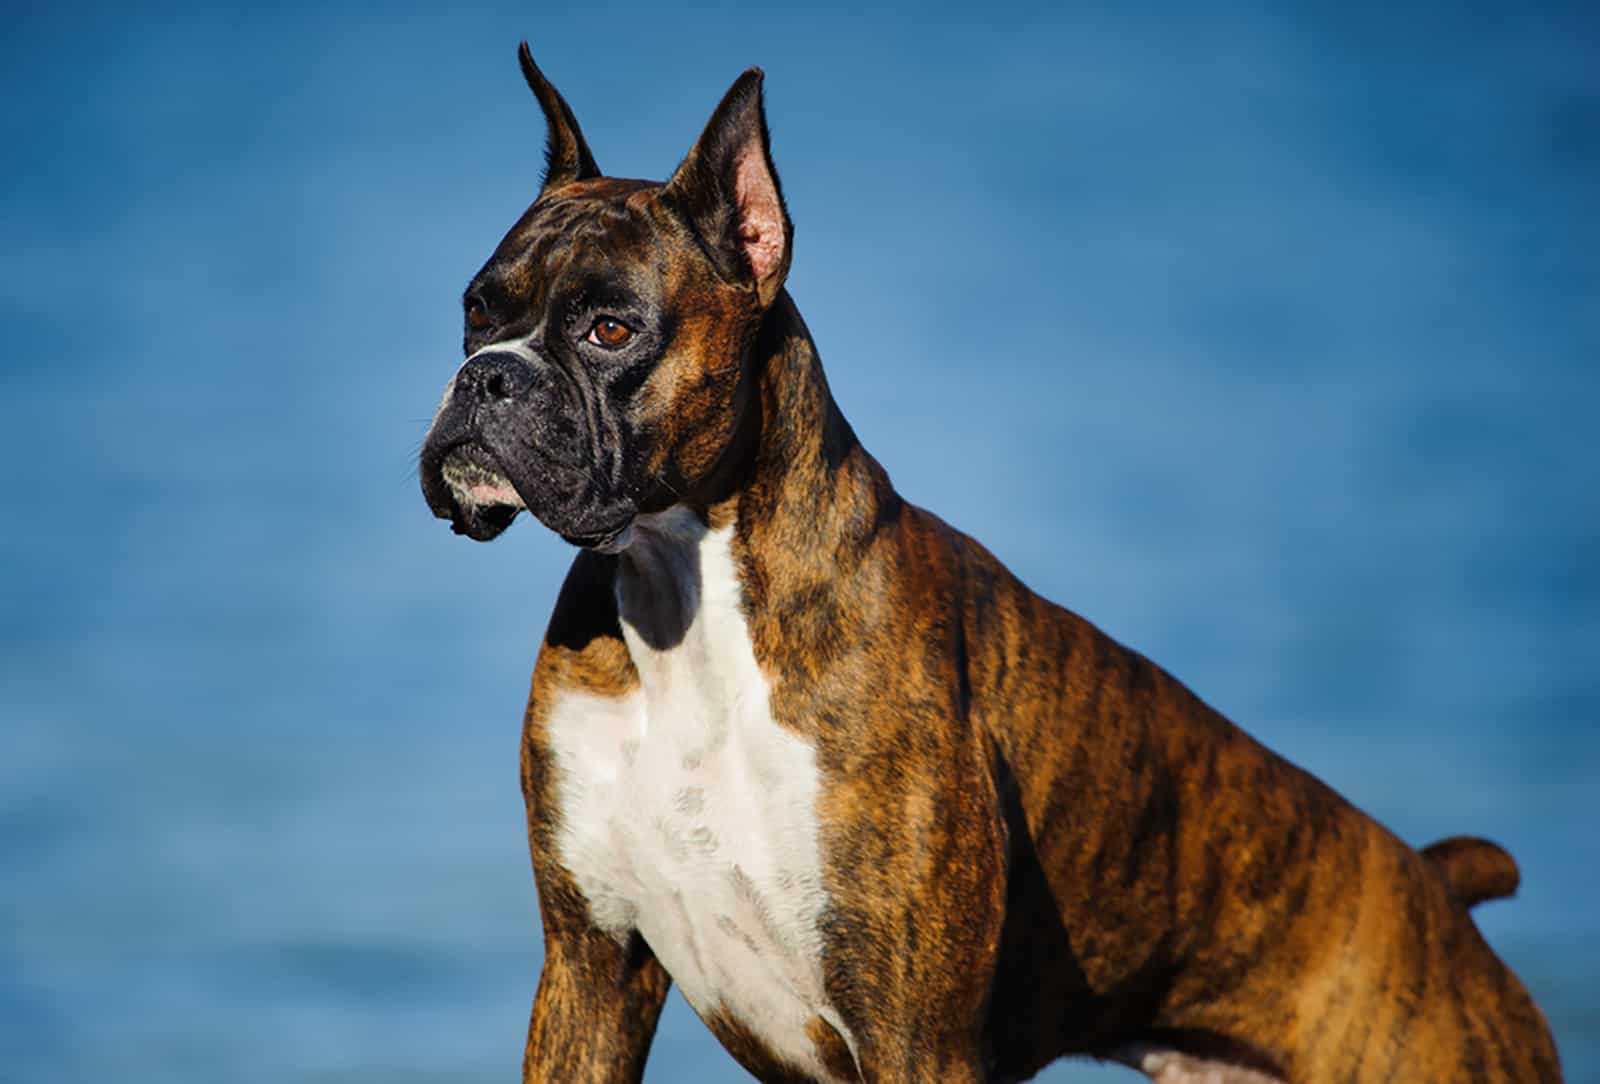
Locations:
(688, 813)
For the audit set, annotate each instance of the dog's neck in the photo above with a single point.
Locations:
(793, 455)
(805, 457)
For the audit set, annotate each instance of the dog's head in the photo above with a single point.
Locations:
(608, 337)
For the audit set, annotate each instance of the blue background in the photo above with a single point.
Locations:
(1269, 343)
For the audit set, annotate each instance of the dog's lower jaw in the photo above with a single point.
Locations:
(614, 540)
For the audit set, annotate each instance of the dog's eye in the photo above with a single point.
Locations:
(477, 313)
(609, 332)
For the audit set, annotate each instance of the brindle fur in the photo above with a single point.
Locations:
(1036, 842)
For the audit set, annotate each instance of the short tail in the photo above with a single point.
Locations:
(1475, 869)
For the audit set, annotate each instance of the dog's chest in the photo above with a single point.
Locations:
(688, 813)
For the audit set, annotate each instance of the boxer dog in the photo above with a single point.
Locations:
(882, 813)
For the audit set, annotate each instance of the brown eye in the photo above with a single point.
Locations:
(477, 314)
(609, 332)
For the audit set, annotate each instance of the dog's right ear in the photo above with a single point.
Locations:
(566, 155)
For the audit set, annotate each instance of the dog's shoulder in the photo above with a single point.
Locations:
(583, 648)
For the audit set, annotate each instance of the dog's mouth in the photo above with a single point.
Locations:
(476, 482)
(470, 489)
(483, 500)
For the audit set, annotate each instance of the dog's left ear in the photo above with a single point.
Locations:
(727, 190)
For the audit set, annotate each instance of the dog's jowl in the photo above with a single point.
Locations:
(798, 746)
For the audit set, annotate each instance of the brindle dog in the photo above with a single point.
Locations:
(881, 812)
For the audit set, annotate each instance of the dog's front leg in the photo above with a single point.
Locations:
(918, 911)
(596, 1009)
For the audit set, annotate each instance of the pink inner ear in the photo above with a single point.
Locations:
(760, 212)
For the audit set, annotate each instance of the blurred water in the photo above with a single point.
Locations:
(1269, 344)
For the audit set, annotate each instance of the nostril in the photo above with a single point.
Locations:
(494, 378)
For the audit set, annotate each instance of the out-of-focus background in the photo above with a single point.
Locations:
(1269, 343)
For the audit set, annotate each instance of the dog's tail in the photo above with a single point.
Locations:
(1475, 869)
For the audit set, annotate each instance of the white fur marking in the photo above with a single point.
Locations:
(689, 814)
(522, 347)
(1164, 1066)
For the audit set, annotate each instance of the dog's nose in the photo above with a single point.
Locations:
(494, 377)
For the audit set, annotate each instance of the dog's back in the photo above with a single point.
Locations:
(1218, 902)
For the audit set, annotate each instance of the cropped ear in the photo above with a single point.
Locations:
(727, 190)
(566, 155)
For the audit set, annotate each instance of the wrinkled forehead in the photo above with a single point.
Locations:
(599, 227)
